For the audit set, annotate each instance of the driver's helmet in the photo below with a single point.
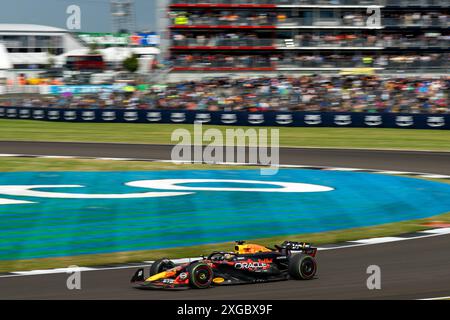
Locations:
(228, 256)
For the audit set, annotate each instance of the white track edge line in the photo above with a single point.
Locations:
(437, 298)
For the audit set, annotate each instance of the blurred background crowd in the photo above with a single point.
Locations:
(349, 18)
(356, 93)
(330, 60)
(309, 39)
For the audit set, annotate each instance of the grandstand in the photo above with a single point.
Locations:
(241, 37)
(27, 46)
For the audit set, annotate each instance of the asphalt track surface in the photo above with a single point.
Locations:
(411, 269)
(416, 161)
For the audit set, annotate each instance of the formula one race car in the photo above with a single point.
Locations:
(249, 263)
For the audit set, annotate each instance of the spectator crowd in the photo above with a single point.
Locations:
(349, 18)
(403, 61)
(309, 39)
(356, 93)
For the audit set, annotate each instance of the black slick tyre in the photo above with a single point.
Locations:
(160, 266)
(302, 267)
(200, 275)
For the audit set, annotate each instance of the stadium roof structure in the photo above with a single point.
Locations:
(5, 62)
(13, 28)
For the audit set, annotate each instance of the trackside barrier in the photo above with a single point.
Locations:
(240, 118)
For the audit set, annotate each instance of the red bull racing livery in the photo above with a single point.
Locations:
(248, 263)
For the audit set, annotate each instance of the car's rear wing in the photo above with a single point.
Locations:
(304, 247)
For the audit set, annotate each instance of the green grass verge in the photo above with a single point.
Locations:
(30, 164)
(368, 138)
(14, 164)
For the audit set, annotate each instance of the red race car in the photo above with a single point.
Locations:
(249, 263)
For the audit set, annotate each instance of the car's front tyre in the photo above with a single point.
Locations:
(160, 266)
(302, 267)
(200, 275)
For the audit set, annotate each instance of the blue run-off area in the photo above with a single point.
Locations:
(57, 227)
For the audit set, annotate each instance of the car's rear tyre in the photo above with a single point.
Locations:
(302, 267)
(160, 266)
(200, 275)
